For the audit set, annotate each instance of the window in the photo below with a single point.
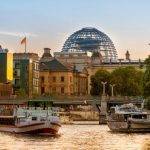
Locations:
(17, 81)
(54, 79)
(17, 65)
(62, 90)
(42, 90)
(27, 68)
(75, 55)
(66, 55)
(71, 89)
(70, 79)
(17, 72)
(35, 90)
(54, 89)
(35, 66)
(36, 74)
(42, 79)
(62, 79)
(35, 82)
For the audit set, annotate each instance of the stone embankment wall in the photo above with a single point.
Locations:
(84, 115)
(69, 117)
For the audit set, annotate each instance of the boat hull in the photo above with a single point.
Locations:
(128, 127)
(38, 128)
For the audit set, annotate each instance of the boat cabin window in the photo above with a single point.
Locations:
(7, 121)
(139, 116)
(34, 118)
(6, 110)
(112, 110)
(126, 116)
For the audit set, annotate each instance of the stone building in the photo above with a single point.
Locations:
(95, 62)
(103, 54)
(26, 74)
(78, 58)
(110, 66)
(62, 79)
(46, 55)
(6, 91)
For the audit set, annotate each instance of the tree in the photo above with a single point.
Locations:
(146, 78)
(96, 86)
(128, 81)
(22, 93)
(146, 82)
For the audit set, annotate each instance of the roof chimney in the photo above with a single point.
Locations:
(46, 55)
(47, 50)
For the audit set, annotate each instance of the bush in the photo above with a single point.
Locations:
(148, 103)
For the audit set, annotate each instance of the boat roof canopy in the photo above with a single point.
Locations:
(40, 103)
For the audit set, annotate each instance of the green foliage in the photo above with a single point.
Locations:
(95, 54)
(147, 103)
(35, 95)
(146, 78)
(128, 81)
(22, 93)
(147, 61)
(96, 86)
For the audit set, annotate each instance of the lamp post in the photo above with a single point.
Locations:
(112, 89)
(104, 87)
(103, 105)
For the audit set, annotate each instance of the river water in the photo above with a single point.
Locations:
(76, 137)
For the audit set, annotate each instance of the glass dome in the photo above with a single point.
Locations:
(91, 39)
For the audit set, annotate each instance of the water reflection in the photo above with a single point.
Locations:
(74, 137)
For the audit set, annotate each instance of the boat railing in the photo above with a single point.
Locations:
(36, 112)
(6, 112)
(138, 117)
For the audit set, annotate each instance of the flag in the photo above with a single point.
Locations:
(23, 40)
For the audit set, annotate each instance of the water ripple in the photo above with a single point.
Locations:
(76, 137)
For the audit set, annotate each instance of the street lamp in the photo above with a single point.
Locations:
(104, 83)
(112, 89)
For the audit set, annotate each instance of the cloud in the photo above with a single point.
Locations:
(18, 34)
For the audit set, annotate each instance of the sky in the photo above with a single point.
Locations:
(48, 23)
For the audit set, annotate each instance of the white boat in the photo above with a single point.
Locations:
(30, 120)
(128, 118)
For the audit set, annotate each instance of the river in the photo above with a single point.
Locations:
(76, 137)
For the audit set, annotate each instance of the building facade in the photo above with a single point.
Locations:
(95, 62)
(59, 79)
(6, 91)
(6, 66)
(78, 58)
(103, 53)
(93, 68)
(26, 74)
(6, 74)
(46, 55)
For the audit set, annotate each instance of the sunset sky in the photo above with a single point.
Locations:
(47, 23)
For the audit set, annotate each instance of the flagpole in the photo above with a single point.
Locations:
(26, 46)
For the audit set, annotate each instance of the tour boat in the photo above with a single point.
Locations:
(31, 119)
(128, 118)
